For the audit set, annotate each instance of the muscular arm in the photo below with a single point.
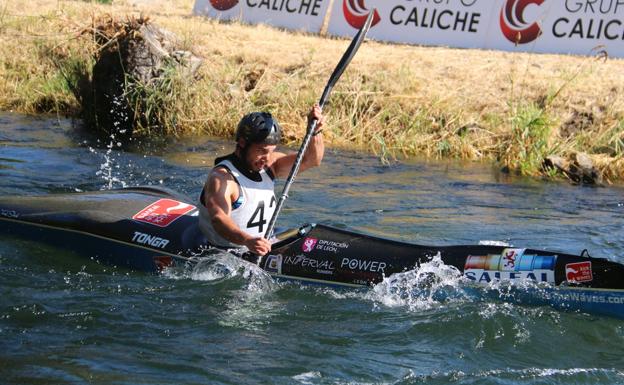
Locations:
(219, 193)
(282, 163)
(313, 156)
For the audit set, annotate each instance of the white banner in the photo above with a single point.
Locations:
(450, 22)
(559, 26)
(555, 26)
(301, 15)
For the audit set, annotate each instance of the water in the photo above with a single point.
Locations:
(65, 319)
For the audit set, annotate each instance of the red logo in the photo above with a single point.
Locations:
(163, 212)
(579, 272)
(223, 5)
(513, 25)
(355, 12)
(163, 262)
(308, 244)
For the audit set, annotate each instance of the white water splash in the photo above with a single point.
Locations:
(110, 169)
(420, 289)
(528, 374)
(308, 378)
(509, 289)
(226, 266)
(250, 304)
(217, 266)
(435, 284)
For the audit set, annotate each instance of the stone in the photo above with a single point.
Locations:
(583, 170)
(133, 56)
(578, 167)
(556, 162)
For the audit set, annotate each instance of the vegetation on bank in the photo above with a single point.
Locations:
(395, 100)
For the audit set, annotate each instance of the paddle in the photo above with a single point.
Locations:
(340, 68)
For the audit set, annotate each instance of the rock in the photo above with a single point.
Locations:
(133, 60)
(556, 162)
(582, 169)
(579, 168)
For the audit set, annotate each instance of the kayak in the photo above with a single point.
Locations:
(151, 228)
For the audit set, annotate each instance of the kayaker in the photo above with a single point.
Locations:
(238, 198)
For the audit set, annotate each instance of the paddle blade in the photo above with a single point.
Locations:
(346, 58)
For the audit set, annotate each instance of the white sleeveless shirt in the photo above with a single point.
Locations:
(252, 216)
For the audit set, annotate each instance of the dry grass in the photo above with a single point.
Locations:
(393, 99)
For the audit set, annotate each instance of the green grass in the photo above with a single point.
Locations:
(528, 142)
(609, 142)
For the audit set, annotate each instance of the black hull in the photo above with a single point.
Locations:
(99, 225)
(148, 229)
(328, 254)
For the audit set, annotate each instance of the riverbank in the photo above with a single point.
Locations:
(512, 108)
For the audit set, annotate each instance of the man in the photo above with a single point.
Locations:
(238, 199)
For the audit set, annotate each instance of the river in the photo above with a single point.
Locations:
(65, 319)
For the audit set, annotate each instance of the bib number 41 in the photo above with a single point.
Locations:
(257, 218)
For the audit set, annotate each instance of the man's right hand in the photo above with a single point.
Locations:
(258, 246)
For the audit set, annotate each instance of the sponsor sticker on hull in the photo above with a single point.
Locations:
(368, 265)
(594, 297)
(487, 276)
(162, 262)
(273, 264)
(163, 212)
(511, 264)
(322, 266)
(310, 244)
(151, 240)
(579, 272)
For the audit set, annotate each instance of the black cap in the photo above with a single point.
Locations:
(259, 127)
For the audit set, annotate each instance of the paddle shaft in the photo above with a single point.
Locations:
(342, 65)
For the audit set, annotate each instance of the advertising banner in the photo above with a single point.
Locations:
(554, 26)
(559, 26)
(458, 23)
(300, 15)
